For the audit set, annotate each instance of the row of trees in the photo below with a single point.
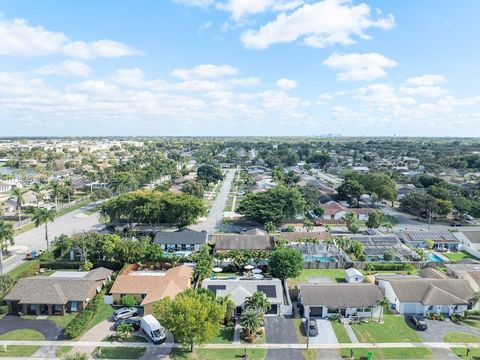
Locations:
(154, 208)
(378, 185)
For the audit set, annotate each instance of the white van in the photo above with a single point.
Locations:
(153, 329)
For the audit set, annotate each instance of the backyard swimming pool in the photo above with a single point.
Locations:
(434, 257)
(319, 259)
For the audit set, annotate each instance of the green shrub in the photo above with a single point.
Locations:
(65, 264)
(388, 266)
(3, 309)
(80, 323)
(128, 300)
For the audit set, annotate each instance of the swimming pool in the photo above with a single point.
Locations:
(434, 257)
(319, 259)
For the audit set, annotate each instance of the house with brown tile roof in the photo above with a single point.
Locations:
(149, 286)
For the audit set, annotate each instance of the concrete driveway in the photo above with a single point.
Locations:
(438, 329)
(281, 330)
(326, 335)
(48, 328)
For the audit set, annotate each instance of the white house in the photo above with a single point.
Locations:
(426, 295)
(470, 240)
(352, 275)
(326, 300)
(333, 210)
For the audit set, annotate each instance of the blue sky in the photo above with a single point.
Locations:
(240, 67)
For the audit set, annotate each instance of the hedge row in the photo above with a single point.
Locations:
(80, 323)
(65, 264)
(387, 266)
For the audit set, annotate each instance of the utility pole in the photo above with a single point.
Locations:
(307, 331)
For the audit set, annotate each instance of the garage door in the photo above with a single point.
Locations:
(316, 311)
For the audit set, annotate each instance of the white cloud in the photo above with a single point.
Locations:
(99, 48)
(355, 67)
(428, 91)
(66, 68)
(205, 71)
(286, 84)
(18, 38)
(426, 80)
(318, 24)
(385, 94)
(197, 3)
(242, 8)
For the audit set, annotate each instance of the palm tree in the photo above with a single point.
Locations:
(258, 301)
(44, 216)
(57, 191)
(38, 190)
(383, 303)
(68, 189)
(18, 193)
(251, 321)
(6, 235)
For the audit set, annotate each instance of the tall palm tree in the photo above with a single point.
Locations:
(6, 235)
(18, 193)
(251, 321)
(44, 216)
(258, 301)
(68, 189)
(38, 191)
(383, 303)
(57, 191)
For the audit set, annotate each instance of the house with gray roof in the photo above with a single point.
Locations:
(57, 294)
(470, 240)
(226, 242)
(343, 299)
(184, 240)
(241, 288)
(442, 240)
(428, 295)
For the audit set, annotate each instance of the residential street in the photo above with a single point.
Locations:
(71, 223)
(214, 218)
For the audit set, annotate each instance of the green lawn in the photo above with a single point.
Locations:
(93, 210)
(461, 337)
(472, 322)
(18, 271)
(103, 313)
(394, 329)
(389, 353)
(73, 207)
(119, 352)
(300, 331)
(23, 334)
(310, 354)
(225, 336)
(340, 332)
(337, 275)
(460, 255)
(131, 338)
(63, 350)
(19, 351)
(462, 353)
(63, 320)
(217, 354)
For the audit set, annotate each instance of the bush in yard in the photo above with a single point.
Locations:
(76, 356)
(3, 309)
(124, 331)
(128, 301)
(80, 322)
(87, 266)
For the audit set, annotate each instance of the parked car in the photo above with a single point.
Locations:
(136, 323)
(125, 313)
(455, 224)
(153, 329)
(418, 322)
(312, 327)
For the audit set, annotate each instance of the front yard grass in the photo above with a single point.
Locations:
(103, 313)
(310, 354)
(459, 255)
(300, 331)
(340, 332)
(461, 337)
(119, 352)
(461, 352)
(21, 350)
(393, 329)
(336, 275)
(25, 351)
(389, 353)
(63, 320)
(217, 354)
(63, 350)
(225, 336)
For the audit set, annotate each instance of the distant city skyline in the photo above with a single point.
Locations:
(240, 68)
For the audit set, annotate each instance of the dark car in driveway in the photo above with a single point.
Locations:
(312, 327)
(132, 321)
(418, 322)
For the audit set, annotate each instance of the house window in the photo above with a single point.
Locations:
(73, 306)
(143, 296)
(33, 307)
(57, 308)
(430, 307)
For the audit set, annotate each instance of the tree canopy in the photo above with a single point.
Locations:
(209, 174)
(285, 263)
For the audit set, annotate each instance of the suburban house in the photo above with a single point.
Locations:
(184, 240)
(375, 246)
(57, 294)
(333, 210)
(226, 242)
(325, 300)
(149, 286)
(4, 187)
(318, 236)
(469, 272)
(443, 240)
(470, 240)
(353, 275)
(241, 288)
(427, 295)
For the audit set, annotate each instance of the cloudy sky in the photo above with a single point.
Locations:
(240, 67)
